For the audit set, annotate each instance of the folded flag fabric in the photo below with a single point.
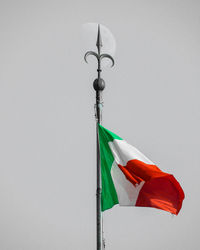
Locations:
(130, 179)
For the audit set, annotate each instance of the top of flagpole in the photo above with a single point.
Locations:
(99, 83)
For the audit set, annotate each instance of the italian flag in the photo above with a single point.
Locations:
(130, 179)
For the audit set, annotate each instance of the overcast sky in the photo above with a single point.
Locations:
(47, 125)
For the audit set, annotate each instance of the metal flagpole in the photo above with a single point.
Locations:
(99, 86)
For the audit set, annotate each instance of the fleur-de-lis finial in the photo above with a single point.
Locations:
(98, 55)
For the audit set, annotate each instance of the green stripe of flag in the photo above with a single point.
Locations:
(108, 196)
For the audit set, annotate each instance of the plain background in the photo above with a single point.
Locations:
(47, 126)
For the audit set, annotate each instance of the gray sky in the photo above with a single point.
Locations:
(47, 126)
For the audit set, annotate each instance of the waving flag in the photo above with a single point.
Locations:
(130, 179)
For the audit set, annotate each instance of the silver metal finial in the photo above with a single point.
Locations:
(98, 55)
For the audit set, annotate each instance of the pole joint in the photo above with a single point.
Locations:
(98, 191)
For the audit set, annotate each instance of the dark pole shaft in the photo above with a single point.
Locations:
(98, 192)
(99, 86)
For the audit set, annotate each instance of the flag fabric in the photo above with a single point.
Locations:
(130, 179)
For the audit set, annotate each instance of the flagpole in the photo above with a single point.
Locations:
(99, 86)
